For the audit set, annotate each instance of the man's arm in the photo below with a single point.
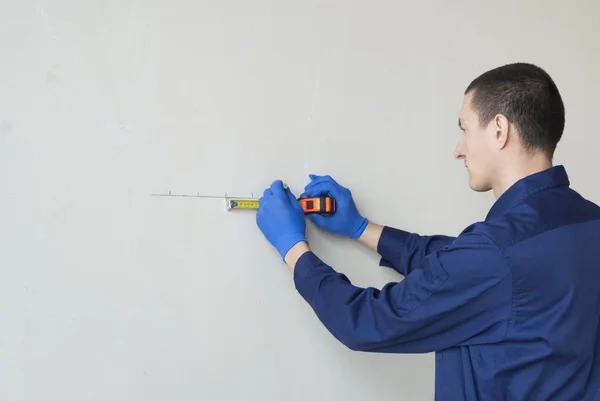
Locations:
(459, 295)
(370, 237)
(401, 250)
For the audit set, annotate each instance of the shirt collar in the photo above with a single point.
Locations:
(551, 177)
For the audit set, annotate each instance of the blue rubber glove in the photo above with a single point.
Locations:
(281, 218)
(346, 220)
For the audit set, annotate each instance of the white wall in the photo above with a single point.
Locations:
(107, 293)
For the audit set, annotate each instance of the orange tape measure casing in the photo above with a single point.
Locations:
(324, 205)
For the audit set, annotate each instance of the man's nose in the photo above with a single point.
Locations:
(458, 154)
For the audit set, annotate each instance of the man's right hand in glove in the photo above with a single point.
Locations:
(346, 220)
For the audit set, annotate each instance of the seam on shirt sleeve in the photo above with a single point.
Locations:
(506, 258)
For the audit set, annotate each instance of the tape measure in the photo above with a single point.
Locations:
(242, 204)
(324, 205)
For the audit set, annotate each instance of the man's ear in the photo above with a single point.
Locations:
(501, 127)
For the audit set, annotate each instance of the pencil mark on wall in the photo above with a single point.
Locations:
(197, 195)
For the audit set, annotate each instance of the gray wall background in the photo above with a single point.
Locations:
(107, 293)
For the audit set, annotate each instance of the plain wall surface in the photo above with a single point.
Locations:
(107, 293)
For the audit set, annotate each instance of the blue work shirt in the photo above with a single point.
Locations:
(511, 306)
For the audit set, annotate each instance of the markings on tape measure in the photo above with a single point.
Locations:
(242, 204)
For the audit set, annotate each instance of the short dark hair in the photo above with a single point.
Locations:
(528, 97)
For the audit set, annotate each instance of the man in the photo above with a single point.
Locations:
(511, 306)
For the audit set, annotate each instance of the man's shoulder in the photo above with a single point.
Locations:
(535, 216)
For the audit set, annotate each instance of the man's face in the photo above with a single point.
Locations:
(475, 148)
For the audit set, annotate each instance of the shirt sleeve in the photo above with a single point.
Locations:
(460, 294)
(403, 251)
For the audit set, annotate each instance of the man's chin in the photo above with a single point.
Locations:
(477, 187)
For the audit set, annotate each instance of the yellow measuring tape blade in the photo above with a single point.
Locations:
(242, 204)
